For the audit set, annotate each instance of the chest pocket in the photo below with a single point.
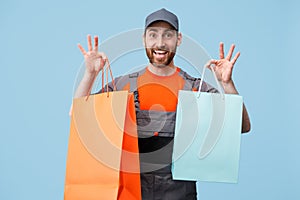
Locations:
(155, 123)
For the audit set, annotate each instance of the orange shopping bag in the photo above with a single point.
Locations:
(103, 161)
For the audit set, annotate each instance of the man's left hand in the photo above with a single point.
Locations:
(224, 66)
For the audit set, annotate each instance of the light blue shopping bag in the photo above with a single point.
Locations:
(207, 136)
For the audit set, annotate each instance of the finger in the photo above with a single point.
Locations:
(210, 64)
(235, 57)
(221, 50)
(230, 52)
(102, 55)
(89, 39)
(96, 43)
(100, 63)
(81, 49)
(207, 65)
(213, 63)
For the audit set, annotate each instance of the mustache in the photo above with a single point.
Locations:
(160, 49)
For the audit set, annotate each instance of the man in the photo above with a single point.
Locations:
(156, 89)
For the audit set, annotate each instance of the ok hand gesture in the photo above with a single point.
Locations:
(94, 60)
(224, 66)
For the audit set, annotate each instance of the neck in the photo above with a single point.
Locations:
(162, 71)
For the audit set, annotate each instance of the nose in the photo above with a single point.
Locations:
(160, 42)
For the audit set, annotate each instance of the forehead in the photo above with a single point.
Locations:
(160, 25)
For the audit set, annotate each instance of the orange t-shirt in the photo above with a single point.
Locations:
(159, 93)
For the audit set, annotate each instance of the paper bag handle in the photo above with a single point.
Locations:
(213, 133)
(112, 78)
(215, 77)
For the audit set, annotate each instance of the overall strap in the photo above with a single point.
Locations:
(133, 79)
(133, 86)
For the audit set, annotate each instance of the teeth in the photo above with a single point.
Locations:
(160, 52)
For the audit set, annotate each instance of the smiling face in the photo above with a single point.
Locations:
(161, 41)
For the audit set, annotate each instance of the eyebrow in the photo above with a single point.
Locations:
(156, 30)
(152, 29)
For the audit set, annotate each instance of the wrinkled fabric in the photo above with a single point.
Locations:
(159, 185)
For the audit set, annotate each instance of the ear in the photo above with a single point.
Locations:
(143, 38)
(179, 39)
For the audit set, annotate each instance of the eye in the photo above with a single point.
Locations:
(152, 35)
(168, 35)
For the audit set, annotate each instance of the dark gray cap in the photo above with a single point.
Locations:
(162, 15)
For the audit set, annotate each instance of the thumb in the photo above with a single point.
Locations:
(99, 64)
(211, 63)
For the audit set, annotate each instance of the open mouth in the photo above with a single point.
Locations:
(160, 52)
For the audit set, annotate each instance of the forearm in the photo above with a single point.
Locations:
(85, 85)
(246, 125)
(229, 88)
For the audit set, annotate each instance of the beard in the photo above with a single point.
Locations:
(161, 61)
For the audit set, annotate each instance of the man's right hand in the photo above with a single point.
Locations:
(94, 60)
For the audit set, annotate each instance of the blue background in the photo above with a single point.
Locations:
(40, 60)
